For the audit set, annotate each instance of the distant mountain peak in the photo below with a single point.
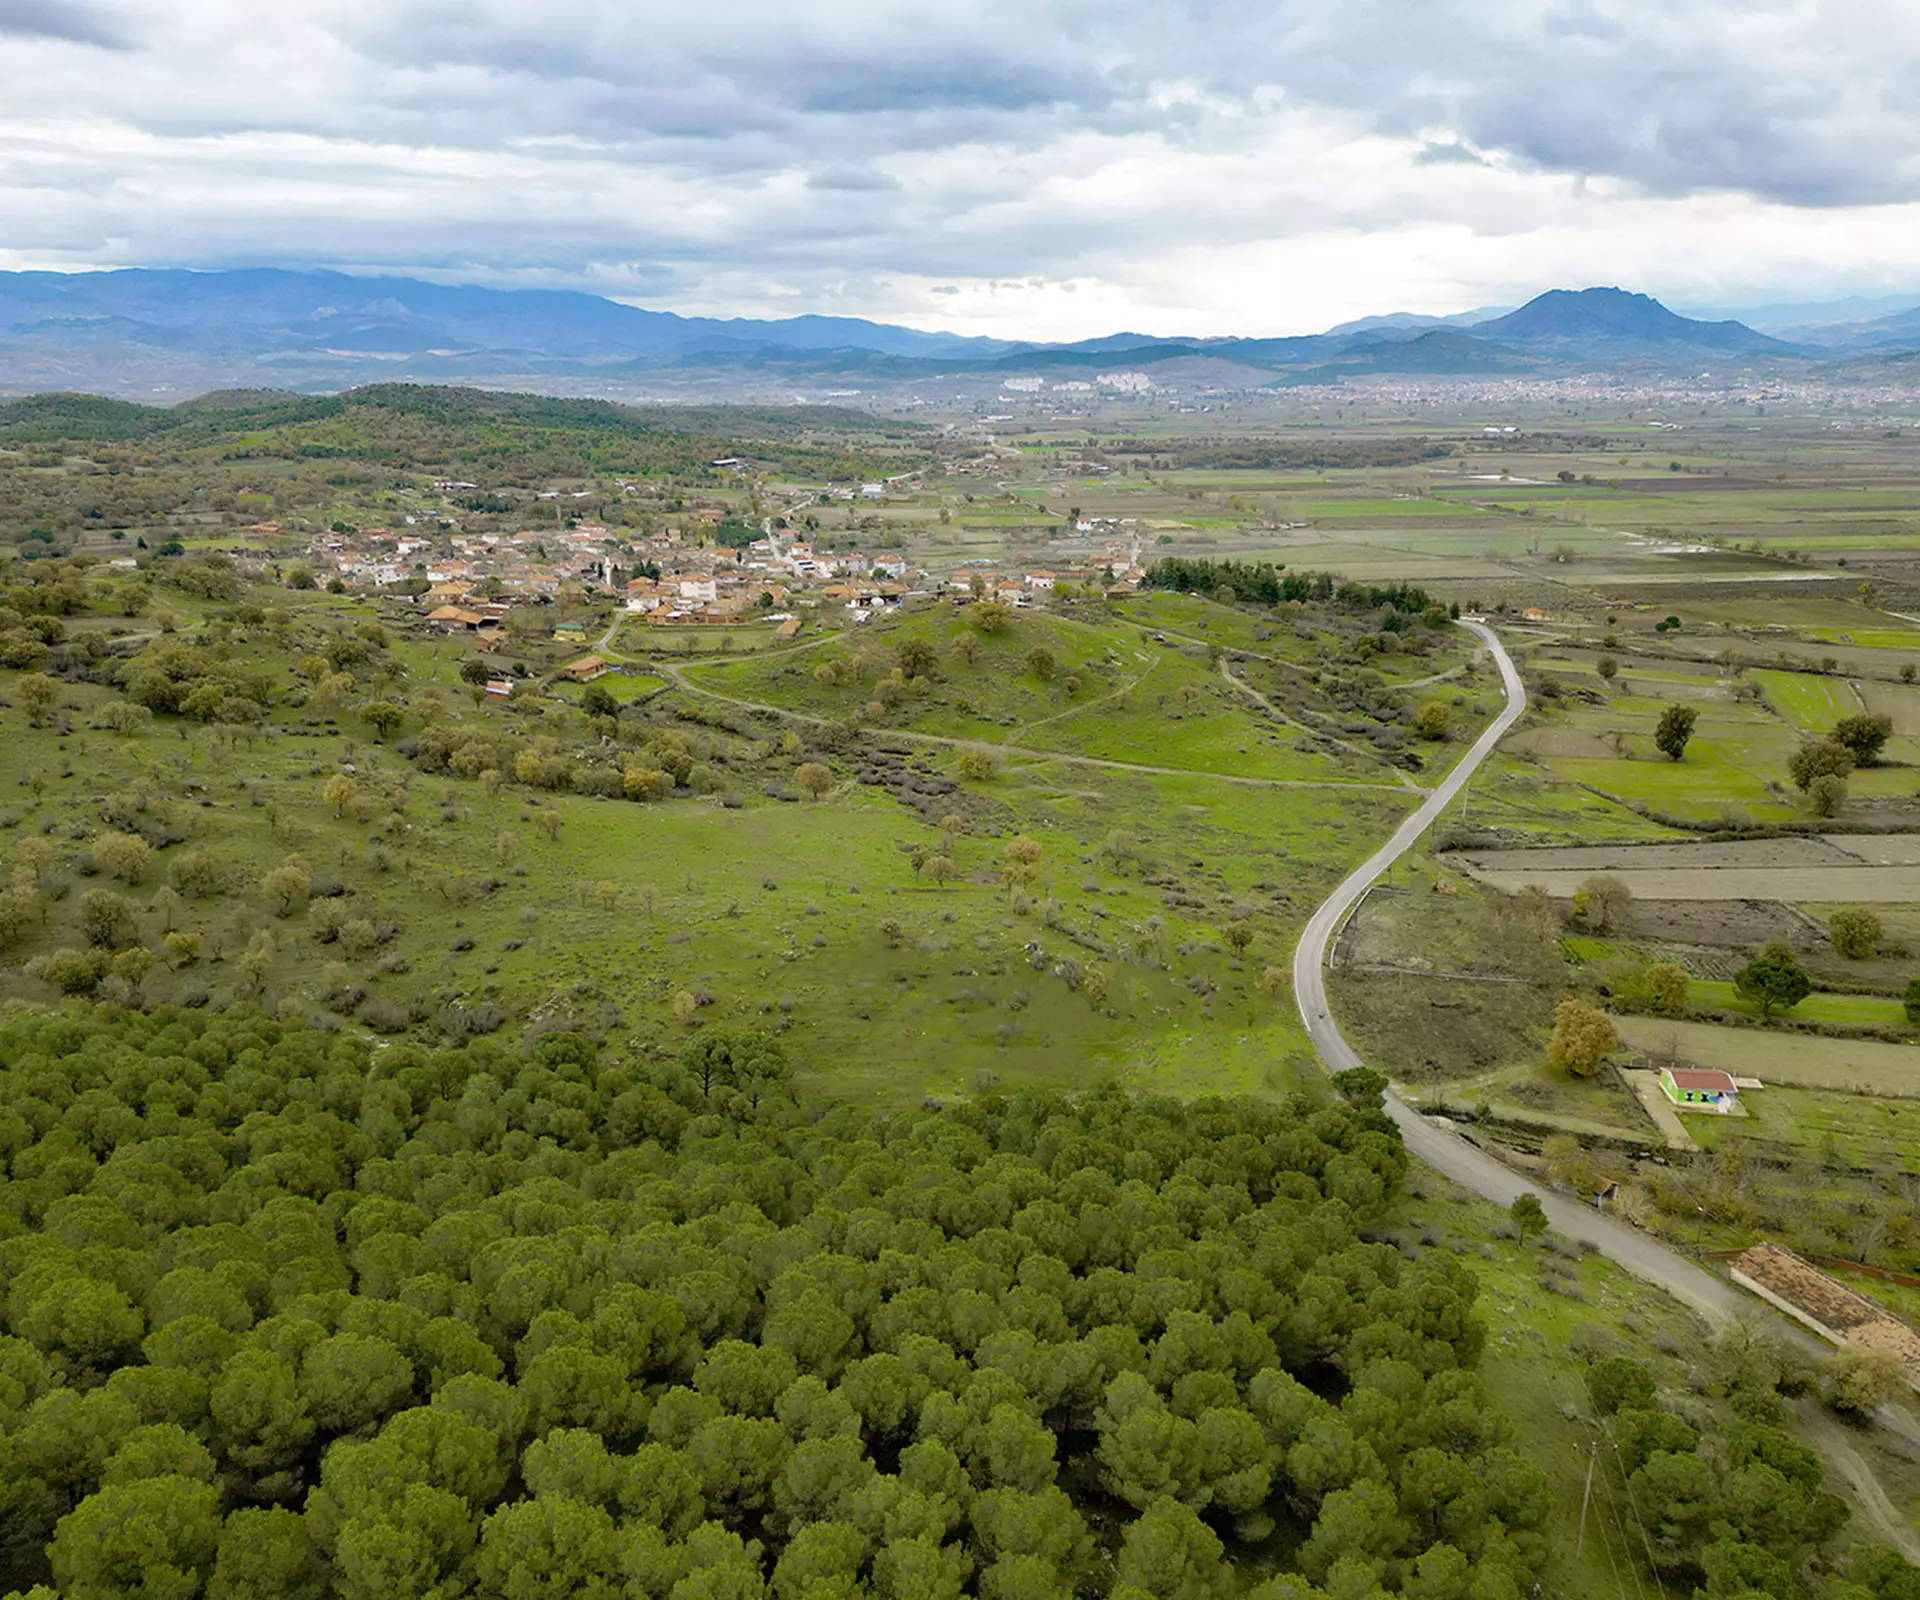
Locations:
(1613, 323)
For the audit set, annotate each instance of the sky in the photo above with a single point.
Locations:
(1022, 168)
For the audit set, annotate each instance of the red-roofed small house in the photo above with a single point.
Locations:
(1699, 1090)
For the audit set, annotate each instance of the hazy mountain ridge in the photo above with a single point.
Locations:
(142, 332)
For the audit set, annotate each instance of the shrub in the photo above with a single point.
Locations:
(1855, 932)
(71, 971)
(1433, 719)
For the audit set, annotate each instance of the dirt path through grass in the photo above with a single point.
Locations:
(676, 674)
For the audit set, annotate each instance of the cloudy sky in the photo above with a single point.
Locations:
(1028, 168)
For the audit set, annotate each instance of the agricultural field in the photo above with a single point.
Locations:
(1807, 701)
(1854, 1066)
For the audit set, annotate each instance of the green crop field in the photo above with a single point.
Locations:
(1840, 1010)
(1807, 701)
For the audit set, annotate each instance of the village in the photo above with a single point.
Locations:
(710, 570)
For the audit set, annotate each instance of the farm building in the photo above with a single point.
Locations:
(1838, 1314)
(585, 670)
(500, 688)
(1697, 1089)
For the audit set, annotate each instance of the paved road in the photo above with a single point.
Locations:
(1447, 1152)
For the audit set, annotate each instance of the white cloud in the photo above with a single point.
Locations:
(1046, 168)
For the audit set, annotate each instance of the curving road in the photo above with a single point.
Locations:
(1442, 1149)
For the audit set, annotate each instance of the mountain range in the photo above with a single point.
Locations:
(154, 331)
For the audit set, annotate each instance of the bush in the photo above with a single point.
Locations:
(1855, 932)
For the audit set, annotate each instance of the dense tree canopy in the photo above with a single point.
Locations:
(283, 1315)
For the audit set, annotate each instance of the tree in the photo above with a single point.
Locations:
(1239, 935)
(1675, 728)
(1608, 668)
(598, 701)
(288, 886)
(814, 778)
(474, 671)
(1170, 1554)
(1669, 988)
(1569, 1162)
(122, 855)
(1818, 758)
(1582, 1036)
(1616, 1383)
(552, 1547)
(989, 616)
(1040, 662)
(939, 868)
(1773, 980)
(182, 948)
(1827, 795)
(1855, 932)
(1911, 1002)
(1433, 719)
(916, 657)
(37, 693)
(1861, 1381)
(1601, 904)
(341, 792)
(265, 1554)
(154, 1539)
(1863, 735)
(105, 916)
(1529, 1216)
(383, 716)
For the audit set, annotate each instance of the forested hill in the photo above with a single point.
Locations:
(424, 425)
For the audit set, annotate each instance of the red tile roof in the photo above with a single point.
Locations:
(1702, 1078)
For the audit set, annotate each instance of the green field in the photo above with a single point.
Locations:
(1856, 1066)
(1841, 1010)
(1807, 701)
